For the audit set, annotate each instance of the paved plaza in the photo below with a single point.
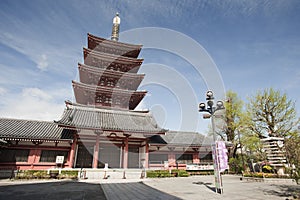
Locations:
(55, 189)
(202, 187)
(195, 187)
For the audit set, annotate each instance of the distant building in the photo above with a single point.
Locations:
(102, 126)
(275, 152)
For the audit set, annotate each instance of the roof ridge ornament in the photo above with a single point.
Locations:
(116, 28)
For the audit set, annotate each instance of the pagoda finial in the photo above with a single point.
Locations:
(116, 28)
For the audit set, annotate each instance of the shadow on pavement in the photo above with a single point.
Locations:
(289, 191)
(72, 190)
(134, 191)
(208, 185)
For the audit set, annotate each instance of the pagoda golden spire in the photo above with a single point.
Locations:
(116, 28)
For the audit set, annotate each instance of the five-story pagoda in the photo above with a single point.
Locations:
(108, 128)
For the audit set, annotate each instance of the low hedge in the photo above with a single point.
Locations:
(180, 173)
(158, 174)
(264, 175)
(43, 174)
(32, 174)
(166, 173)
(69, 174)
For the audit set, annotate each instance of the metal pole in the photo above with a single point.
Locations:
(211, 110)
(218, 179)
(213, 127)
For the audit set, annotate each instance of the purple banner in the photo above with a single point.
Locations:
(222, 155)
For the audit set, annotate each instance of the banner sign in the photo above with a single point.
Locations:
(222, 155)
(220, 163)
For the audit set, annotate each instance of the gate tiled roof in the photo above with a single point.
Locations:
(113, 120)
(21, 129)
(179, 138)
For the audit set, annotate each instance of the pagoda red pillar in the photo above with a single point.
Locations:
(146, 156)
(125, 154)
(72, 152)
(96, 152)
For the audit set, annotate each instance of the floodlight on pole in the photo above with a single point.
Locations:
(220, 105)
(209, 95)
(202, 107)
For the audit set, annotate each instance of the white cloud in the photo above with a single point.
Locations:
(44, 54)
(36, 93)
(2, 91)
(42, 63)
(32, 103)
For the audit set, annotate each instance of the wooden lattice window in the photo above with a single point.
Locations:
(110, 83)
(108, 100)
(206, 157)
(184, 158)
(50, 155)
(157, 158)
(14, 155)
(99, 99)
(102, 82)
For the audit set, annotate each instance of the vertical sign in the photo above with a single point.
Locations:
(222, 155)
(218, 182)
(220, 163)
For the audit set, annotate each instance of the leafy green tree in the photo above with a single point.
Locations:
(292, 146)
(272, 114)
(253, 145)
(233, 120)
(234, 106)
(228, 122)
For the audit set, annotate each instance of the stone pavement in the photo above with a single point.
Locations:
(50, 190)
(202, 187)
(134, 191)
(196, 187)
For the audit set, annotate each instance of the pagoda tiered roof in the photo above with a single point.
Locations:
(109, 79)
(113, 47)
(110, 61)
(96, 76)
(107, 96)
(78, 117)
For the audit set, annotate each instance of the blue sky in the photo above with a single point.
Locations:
(253, 44)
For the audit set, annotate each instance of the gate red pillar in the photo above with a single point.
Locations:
(96, 152)
(147, 155)
(72, 152)
(125, 154)
(171, 157)
(196, 159)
